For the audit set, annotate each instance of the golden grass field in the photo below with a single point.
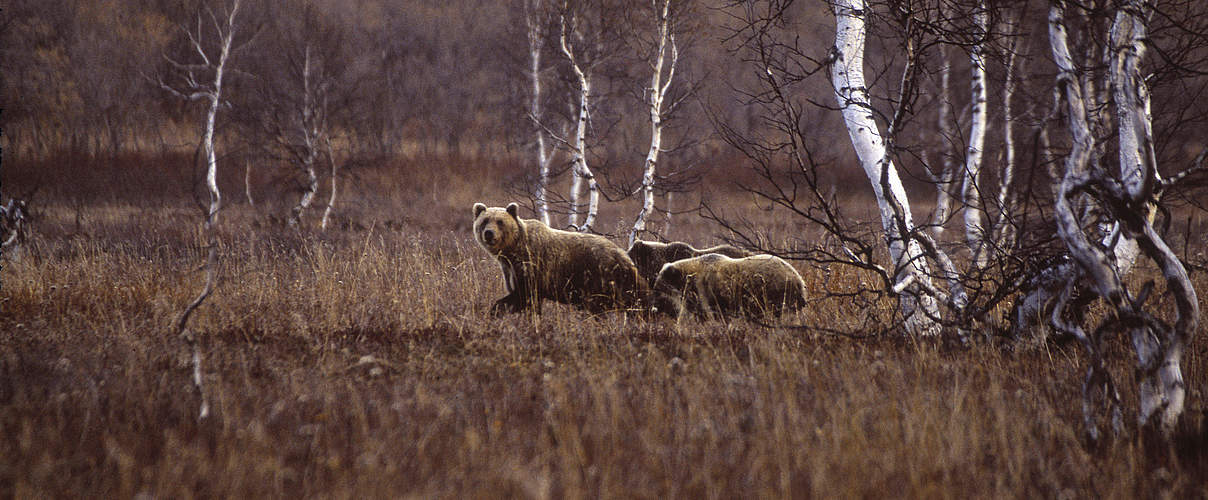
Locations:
(361, 362)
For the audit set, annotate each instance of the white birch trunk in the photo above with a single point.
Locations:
(1003, 230)
(215, 99)
(1092, 262)
(331, 199)
(247, 182)
(975, 231)
(579, 145)
(667, 210)
(309, 125)
(943, 183)
(535, 39)
(1160, 384)
(657, 92)
(1138, 164)
(852, 95)
(213, 95)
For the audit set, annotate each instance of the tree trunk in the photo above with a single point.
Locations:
(212, 94)
(1159, 350)
(1003, 230)
(310, 127)
(579, 146)
(657, 91)
(247, 182)
(943, 182)
(921, 310)
(975, 231)
(535, 38)
(331, 199)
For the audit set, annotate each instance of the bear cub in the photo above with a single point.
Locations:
(650, 256)
(720, 287)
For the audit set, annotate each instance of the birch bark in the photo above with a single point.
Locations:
(331, 198)
(975, 231)
(1003, 229)
(212, 93)
(310, 127)
(536, 39)
(579, 145)
(657, 93)
(943, 182)
(1161, 387)
(851, 92)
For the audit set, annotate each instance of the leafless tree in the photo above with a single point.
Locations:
(660, 53)
(535, 21)
(1127, 198)
(301, 93)
(1101, 220)
(582, 39)
(210, 42)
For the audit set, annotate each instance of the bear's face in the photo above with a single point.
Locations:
(497, 229)
(669, 290)
(643, 256)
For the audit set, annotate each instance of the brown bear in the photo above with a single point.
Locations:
(650, 256)
(717, 286)
(584, 270)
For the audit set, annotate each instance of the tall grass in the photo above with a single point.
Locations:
(361, 362)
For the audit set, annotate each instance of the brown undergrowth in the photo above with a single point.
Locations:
(361, 362)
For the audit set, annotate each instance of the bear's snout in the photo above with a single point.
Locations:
(488, 236)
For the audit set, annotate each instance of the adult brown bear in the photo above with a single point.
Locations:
(539, 262)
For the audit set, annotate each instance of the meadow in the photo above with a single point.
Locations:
(361, 361)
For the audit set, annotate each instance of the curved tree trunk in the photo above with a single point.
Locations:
(851, 92)
(579, 146)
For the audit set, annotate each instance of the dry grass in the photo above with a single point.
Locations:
(361, 363)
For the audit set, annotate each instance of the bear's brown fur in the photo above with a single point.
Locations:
(650, 256)
(538, 262)
(717, 286)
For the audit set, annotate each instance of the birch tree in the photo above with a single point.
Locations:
(1125, 199)
(300, 93)
(534, 20)
(975, 230)
(201, 78)
(1003, 229)
(572, 39)
(662, 62)
(947, 175)
(912, 274)
(331, 195)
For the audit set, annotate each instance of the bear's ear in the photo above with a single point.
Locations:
(514, 210)
(479, 208)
